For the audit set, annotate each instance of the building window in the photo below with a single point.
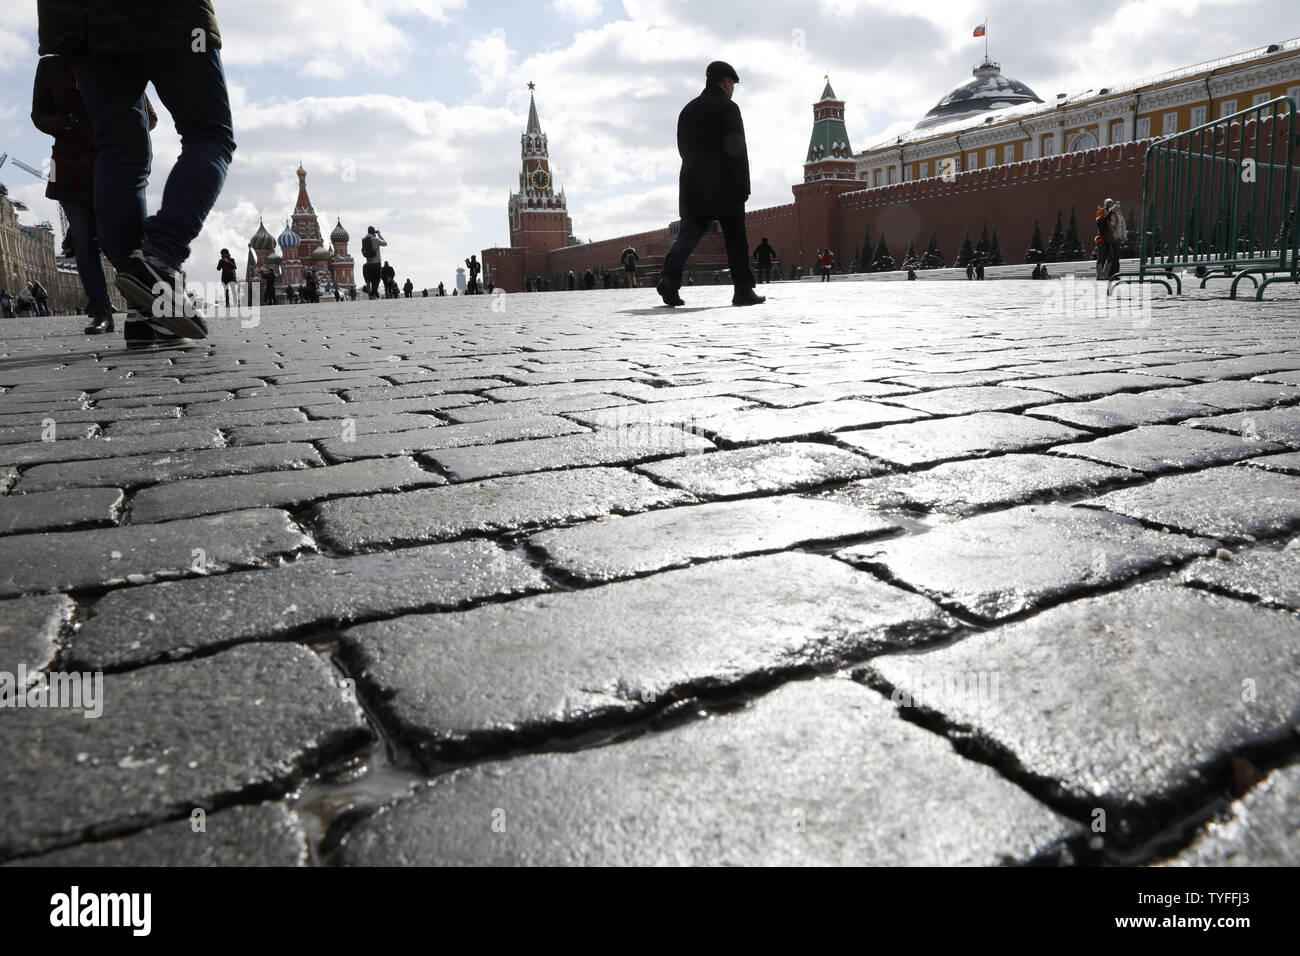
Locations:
(1084, 140)
(1294, 93)
(1169, 124)
(1029, 149)
(1198, 116)
(1009, 153)
(1227, 108)
(877, 179)
(1117, 131)
(925, 170)
(1259, 98)
(1144, 128)
(889, 174)
(907, 174)
(1049, 144)
(990, 157)
(973, 161)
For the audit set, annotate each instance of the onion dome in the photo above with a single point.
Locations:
(323, 253)
(274, 259)
(261, 240)
(987, 90)
(339, 234)
(289, 239)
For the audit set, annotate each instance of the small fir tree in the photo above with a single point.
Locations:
(967, 254)
(884, 262)
(933, 258)
(1035, 253)
(1056, 244)
(911, 260)
(995, 250)
(1072, 250)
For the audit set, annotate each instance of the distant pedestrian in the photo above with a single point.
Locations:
(26, 305)
(474, 267)
(714, 184)
(442, 290)
(268, 285)
(6, 303)
(228, 269)
(979, 269)
(826, 262)
(40, 296)
(408, 287)
(116, 49)
(764, 254)
(572, 281)
(629, 259)
(1110, 229)
(588, 280)
(388, 275)
(371, 243)
(911, 275)
(970, 270)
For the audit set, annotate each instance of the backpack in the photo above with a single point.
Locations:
(368, 246)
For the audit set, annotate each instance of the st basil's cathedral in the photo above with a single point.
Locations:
(302, 250)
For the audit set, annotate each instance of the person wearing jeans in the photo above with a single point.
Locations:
(115, 49)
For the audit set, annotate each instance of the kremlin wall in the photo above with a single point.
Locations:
(991, 151)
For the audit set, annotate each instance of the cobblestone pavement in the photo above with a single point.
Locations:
(926, 573)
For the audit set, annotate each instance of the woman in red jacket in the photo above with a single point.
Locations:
(57, 109)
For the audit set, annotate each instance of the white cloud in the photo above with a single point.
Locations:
(579, 9)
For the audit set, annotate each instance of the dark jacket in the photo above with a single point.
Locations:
(765, 254)
(109, 27)
(715, 164)
(58, 110)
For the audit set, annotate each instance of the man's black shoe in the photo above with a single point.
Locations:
(668, 293)
(141, 334)
(159, 293)
(101, 320)
(748, 297)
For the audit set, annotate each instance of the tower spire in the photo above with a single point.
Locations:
(534, 124)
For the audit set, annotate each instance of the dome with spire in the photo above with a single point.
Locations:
(289, 239)
(261, 239)
(323, 253)
(985, 91)
(339, 234)
(274, 259)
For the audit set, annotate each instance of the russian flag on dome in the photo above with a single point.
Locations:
(979, 30)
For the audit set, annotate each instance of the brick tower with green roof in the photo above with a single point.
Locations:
(830, 156)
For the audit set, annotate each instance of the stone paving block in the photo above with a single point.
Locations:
(816, 772)
(965, 379)
(39, 452)
(793, 396)
(1158, 448)
(263, 403)
(676, 537)
(552, 663)
(30, 630)
(786, 466)
(329, 428)
(135, 470)
(1288, 463)
(67, 560)
(306, 389)
(266, 416)
(163, 388)
(1231, 504)
(492, 411)
(1269, 575)
(276, 489)
(77, 418)
(420, 389)
(1127, 700)
(773, 424)
(19, 434)
(520, 393)
(133, 626)
(612, 447)
(1281, 425)
(448, 436)
(1097, 384)
(323, 374)
(966, 487)
(737, 388)
(265, 834)
(965, 436)
(1241, 367)
(1286, 378)
(974, 398)
(1259, 830)
(1122, 411)
(688, 413)
(163, 399)
(170, 739)
(500, 504)
(1008, 562)
(60, 510)
(7, 476)
(397, 406)
(1230, 396)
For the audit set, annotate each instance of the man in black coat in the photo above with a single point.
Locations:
(714, 184)
(765, 254)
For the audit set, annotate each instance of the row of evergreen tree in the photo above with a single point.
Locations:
(1065, 245)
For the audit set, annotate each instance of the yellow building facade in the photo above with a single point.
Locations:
(992, 120)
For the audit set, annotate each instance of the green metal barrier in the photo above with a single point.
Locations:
(1222, 196)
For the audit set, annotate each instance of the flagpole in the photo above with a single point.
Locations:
(986, 36)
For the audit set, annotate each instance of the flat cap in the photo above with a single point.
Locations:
(718, 70)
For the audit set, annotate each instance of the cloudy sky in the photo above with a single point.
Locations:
(425, 100)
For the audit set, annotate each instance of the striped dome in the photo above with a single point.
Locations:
(289, 239)
(261, 239)
(339, 234)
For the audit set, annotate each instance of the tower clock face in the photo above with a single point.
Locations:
(541, 180)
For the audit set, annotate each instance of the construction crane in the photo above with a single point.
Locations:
(63, 217)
